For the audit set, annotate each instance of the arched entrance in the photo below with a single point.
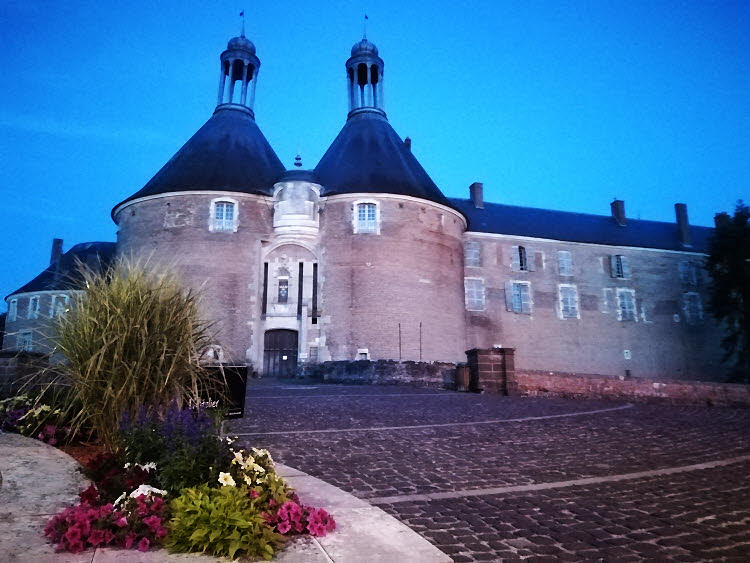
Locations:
(280, 353)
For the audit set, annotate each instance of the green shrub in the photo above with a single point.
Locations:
(222, 522)
(131, 341)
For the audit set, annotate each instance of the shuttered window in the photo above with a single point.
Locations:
(474, 293)
(518, 297)
(568, 301)
(619, 266)
(564, 263)
(473, 254)
(626, 304)
(522, 259)
(693, 307)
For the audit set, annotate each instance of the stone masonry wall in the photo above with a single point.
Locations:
(661, 341)
(536, 384)
(384, 372)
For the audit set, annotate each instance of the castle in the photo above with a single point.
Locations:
(364, 258)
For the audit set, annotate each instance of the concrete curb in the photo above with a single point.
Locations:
(363, 532)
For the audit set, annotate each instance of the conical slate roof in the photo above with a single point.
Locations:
(229, 153)
(369, 156)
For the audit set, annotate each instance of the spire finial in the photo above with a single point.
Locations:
(298, 160)
(364, 32)
(242, 15)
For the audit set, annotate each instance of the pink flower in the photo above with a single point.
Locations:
(254, 493)
(283, 527)
(153, 522)
(121, 522)
(96, 537)
(143, 544)
(129, 539)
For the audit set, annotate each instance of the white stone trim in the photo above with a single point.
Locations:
(395, 197)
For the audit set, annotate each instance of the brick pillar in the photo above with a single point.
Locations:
(492, 370)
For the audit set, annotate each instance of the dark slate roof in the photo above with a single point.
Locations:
(577, 227)
(64, 274)
(299, 176)
(368, 156)
(229, 153)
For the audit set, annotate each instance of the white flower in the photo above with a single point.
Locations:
(249, 480)
(226, 480)
(257, 468)
(149, 466)
(126, 465)
(238, 458)
(121, 498)
(146, 490)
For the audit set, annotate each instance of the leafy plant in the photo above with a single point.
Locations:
(223, 522)
(131, 341)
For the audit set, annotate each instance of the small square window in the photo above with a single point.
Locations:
(366, 218)
(564, 263)
(24, 341)
(474, 293)
(283, 290)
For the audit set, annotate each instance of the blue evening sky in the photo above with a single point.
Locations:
(562, 105)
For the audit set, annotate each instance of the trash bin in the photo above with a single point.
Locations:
(236, 378)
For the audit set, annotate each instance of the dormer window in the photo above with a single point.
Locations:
(223, 216)
(366, 217)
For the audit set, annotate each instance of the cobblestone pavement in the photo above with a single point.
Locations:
(429, 457)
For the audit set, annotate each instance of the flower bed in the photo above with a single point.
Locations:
(174, 482)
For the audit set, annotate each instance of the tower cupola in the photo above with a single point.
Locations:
(238, 75)
(364, 79)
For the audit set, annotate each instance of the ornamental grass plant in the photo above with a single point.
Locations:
(131, 341)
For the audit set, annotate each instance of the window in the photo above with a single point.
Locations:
(58, 305)
(626, 304)
(564, 263)
(693, 307)
(33, 307)
(223, 216)
(518, 297)
(473, 254)
(366, 218)
(568, 295)
(12, 310)
(474, 293)
(24, 341)
(283, 290)
(522, 259)
(619, 266)
(688, 273)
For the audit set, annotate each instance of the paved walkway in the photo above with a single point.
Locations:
(38, 481)
(489, 478)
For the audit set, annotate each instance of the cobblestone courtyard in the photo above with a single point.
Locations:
(490, 478)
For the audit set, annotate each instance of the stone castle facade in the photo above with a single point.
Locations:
(364, 258)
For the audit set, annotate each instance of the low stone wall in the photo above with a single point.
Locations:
(16, 368)
(536, 383)
(384, 372)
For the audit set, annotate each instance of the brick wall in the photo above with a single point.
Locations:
(383, 372)
(536, 383)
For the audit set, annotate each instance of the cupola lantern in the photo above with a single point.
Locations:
(364, 78)
(238, 74)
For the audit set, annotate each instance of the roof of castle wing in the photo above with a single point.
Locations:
(368, 156)
(65, 273)
(229, 153)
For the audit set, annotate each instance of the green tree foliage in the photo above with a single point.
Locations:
(728, 264)
(131, 342)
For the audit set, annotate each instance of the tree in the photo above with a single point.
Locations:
(728, 264)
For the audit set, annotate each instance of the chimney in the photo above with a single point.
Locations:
(56, 250)
(476, 192)
(618, 212)
(407, 142)
(683, 226)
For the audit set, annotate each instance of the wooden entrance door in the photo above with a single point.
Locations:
(280, 353)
